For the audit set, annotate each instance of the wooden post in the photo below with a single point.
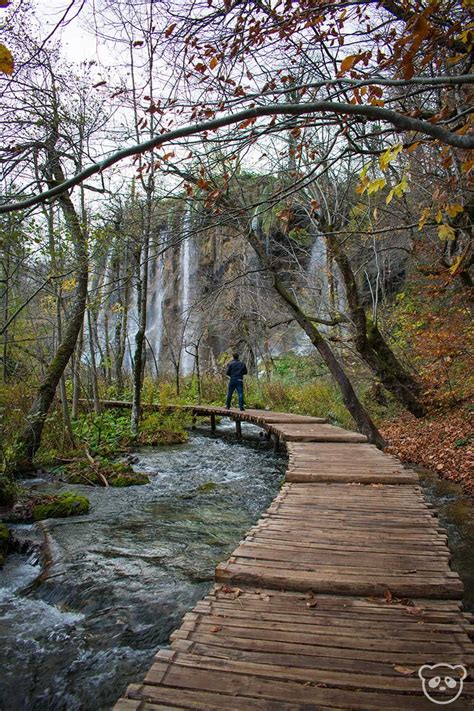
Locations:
(238, 429)
(194, 421)
(276, 443)
(213, 423)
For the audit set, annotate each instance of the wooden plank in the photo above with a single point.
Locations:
(300, 619)
(343, 584)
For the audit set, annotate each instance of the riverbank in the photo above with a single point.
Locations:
(443, 443)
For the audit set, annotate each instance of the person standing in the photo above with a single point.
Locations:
(236, 371)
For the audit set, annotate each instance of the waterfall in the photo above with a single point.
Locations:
(132, 327)
(186, 257)
(156, 297)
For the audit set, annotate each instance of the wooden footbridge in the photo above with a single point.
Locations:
(334, 600)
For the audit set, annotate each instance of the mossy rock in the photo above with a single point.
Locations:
(116, 473)
(4, 542)
(207, 487)
(129, 479)
(61, 506)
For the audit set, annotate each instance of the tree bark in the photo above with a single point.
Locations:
(30, 439)
(372, 346)
(351, 401)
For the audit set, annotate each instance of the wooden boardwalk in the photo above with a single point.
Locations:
(333, 600)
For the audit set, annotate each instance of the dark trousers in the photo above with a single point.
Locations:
(238, 385)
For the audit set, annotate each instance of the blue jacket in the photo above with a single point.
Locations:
(236, 370)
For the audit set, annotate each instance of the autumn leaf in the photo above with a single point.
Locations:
(406, 671)
(424, 217)
(389, 155)
(248, 122)
(203, 184)
(446, 232)
(213, 63)
(453, 210)
(397, 190)
(215, 629)
(375, 185)
(388, 596)
(6, 60)
(348, 62)
(169, 30)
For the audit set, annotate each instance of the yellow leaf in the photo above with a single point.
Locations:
(446, 231)
(467, 166)
(348, 62)
(423, 217)
(375, 185)
(6, 60)
(439, 216)
(456, 264)
(362, 186)
(398, 190)
(213, 63)
(389, 155)
(453, 210)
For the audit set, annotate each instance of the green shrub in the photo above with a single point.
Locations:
(161, 428)
(8, 490)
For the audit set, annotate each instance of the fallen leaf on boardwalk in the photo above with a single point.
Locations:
(388, 596)
(415, 610)
(311, 600)
(406, 671)
(230, 592)
(215, 629)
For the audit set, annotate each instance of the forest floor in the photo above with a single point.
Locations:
(443, 443)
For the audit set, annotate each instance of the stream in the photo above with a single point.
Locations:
(121, 577)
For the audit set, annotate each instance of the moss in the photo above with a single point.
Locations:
(132, 479)
(116, 474)
(4, 541)
(61, 506)
(162, 437)
(207, 487)
(8, 491)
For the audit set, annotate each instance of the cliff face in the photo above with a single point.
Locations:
(207, 295)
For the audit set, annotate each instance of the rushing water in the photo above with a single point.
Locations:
(456, 514)
(122, 576)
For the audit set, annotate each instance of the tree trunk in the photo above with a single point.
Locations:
(76, 381)
(138, 359)
(30, 439)
(351, 401)
(372, 346)
(93, 368)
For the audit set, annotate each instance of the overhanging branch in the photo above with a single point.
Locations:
(368, 112)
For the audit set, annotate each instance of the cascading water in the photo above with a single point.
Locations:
(122, 576)
(186, 258)
(155, 303)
